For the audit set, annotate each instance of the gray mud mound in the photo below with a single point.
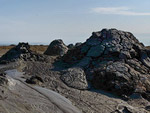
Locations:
(114, 61)
(56, 47)
(21, 52)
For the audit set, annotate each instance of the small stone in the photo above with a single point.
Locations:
(34, 80)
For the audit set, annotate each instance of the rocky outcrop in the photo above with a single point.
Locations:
(113, 60)
(56, 47)
(21, 52)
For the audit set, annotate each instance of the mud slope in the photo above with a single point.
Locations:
(23, 98)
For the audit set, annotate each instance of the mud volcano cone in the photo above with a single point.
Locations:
(21, 52)
(115, 61)
(56, 47)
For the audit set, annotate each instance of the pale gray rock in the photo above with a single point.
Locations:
(74, 77)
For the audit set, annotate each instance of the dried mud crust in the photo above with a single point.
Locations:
(33, 99)
(86, 100)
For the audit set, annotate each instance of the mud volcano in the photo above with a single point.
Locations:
(21, 52)
(114, 61)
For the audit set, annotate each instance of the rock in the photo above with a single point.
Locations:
(115, 77)
(34, 80)
(56, 47)
(75, 78)
(3, 79)
(147, 108)
(127, 109)
(73, 55)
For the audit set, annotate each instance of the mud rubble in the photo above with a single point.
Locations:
(109, 73)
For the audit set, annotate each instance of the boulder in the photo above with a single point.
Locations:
(115, 77)
(75, 78)
(56, 47)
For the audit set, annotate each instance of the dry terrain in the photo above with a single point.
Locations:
(36, 48)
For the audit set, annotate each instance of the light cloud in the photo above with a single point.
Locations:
(118, 11)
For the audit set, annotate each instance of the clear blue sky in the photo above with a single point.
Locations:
(71, 20)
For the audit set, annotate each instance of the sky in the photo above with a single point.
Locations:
(41, 21)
